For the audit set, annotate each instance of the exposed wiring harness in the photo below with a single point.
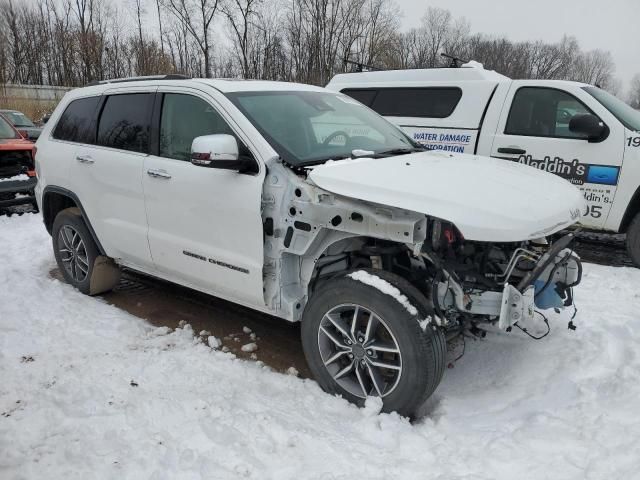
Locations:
(540, 337)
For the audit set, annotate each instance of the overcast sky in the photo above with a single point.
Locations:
(612, 25)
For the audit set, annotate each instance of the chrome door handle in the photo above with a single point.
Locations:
(85, 159)
(158, 174)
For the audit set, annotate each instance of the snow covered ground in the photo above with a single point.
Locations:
(90, 392)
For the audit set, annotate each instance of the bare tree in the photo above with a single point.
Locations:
(196, 17)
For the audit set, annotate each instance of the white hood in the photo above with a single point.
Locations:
(487, 199)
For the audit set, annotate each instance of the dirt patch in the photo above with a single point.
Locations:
(166, 304)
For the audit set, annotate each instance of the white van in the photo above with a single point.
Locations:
(575, 130)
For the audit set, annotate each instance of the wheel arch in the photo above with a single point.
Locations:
(632, 210)
(54, 200)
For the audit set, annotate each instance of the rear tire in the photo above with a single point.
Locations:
(327, 328)
(633, 240)
(78, 256)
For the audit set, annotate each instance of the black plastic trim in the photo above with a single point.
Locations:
(484, 114)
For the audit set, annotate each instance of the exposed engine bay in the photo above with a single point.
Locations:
(311, 235)
(474, 282)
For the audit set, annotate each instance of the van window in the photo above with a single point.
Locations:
(544, 112)
(434, 102)
(185, 117)
(125, 123)
(364, 96)
(75, 122)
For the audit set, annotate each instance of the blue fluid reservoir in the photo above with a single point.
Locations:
(549, 298)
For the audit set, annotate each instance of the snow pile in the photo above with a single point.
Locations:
(88, 391)
(385, 287)
(15, 178)
(472, 64)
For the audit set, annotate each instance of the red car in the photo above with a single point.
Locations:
(17, 169)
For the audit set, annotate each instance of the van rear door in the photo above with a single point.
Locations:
(534, 130)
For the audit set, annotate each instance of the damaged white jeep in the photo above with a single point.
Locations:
(307, 205)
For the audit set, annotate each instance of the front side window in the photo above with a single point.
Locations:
(75, 123)
(125, 122)
(544, 112)
(310, 127)
(431, 102)
(183, 118)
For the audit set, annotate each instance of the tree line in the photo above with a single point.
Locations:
(74, 42)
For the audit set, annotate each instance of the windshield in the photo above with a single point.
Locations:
(308, 128)
(19, 119)
(6, 131)
(628, 116)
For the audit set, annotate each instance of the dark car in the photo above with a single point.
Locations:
(17, 169)
(23, 124)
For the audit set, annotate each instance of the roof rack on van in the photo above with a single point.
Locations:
(360, 67)
(455, 61)
(171, 76)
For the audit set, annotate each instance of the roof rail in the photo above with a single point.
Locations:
(171, 76)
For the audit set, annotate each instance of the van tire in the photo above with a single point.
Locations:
(78, 257)
(422, 351)
(633, 240)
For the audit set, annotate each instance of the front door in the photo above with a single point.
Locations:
(205, 226)
(534, 130)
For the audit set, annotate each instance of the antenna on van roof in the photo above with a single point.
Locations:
(361, 67)
(455, 61)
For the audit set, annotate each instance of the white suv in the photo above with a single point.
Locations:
(305, 204)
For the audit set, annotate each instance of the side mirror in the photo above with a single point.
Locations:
(220, 151)
(24, 134)
(589, 125)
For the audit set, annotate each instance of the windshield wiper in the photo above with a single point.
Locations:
(398, 151)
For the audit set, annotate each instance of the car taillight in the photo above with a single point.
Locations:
(33, 153)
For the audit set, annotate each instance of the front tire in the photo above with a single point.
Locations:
(360, 341)
(633, 240)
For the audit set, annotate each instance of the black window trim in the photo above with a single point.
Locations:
(102, 104)
(377, 90)
(540, 87)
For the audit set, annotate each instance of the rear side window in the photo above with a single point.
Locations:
(75, 123)
(434, 102)
(125, 122)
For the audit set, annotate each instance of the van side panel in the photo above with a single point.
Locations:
(457, 133)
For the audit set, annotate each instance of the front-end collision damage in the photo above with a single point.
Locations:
(303, 222)
(310, 234)
(531, 280)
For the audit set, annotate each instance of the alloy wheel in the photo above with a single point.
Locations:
(73, 253)
(359, 351)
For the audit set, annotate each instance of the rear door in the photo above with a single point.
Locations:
(107, 176)
(534, 130)
(205, 225)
